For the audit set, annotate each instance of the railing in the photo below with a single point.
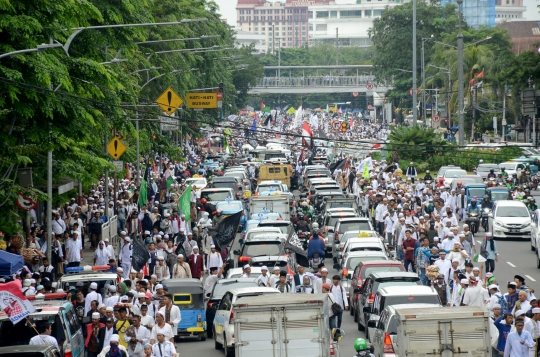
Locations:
(110, 230)
(316, 81)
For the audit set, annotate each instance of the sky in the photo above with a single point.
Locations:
(228, 9)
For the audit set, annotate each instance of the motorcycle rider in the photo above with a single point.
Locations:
(473, 207)
(362, 349)
(307, 210)
(503, 172)
(524, 178)
(515, 179)
(316, 246)
(428, 176)
(491, 174)
(302, 225)
(532, 205)
(486, 203)
(509, 184)
(520, 194)
(499, 179)
(319, 203)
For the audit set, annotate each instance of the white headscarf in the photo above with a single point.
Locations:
(101, 253)
(195, 255)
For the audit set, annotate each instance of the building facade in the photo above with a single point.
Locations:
(509, 10)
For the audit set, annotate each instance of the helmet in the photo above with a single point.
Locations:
(459, 183)
(427, 171)
(491, 170)
(486, 197)
(304, 204)
(360, 345)
(481, 161)
(315, 233)
(502, 168)
(203, 201)
(300, 215)
(315, 225)
(441, 180)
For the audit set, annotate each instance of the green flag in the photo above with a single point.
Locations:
(365, 174)
(169, 181)
(184, 203)
(143, 199)
(266, 109)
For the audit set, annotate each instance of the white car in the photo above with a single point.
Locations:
(224, 319)
(451, 174)
(260, 231)
(361, 244)
(199, 183)
(273, 187)
(511, 219)
(512, 167)
(238, 272)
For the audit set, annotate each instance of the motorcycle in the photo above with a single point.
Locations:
(472, 221)
(485, 218)
(315, 260)
(303, 237)
(428, 183)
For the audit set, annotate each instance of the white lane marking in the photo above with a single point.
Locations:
(529, 277)
(512, 265)
(479, 241)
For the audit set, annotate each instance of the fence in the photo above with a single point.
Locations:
(110, 230)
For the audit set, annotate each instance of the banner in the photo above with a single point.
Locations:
(184, 203)
(143, 193)
(14, 303)
(226, 230)
(338, 165)
(139, 254)
(294, 244)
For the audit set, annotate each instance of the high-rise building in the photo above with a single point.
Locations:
(283, 23)
(509, 10)
(477, 12)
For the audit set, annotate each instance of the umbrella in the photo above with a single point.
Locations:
(10, 263)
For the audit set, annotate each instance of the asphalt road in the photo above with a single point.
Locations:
(515, 257)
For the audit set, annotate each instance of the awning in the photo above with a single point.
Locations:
(10, 263)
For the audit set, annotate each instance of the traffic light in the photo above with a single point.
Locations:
(344, 127)
(220, 87)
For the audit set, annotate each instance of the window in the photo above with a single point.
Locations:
(248, 11)
(283, 28)
(303, 27)
(333, 14)
(321, 27)
(263, 29)
(368, 12)
(324, 14)
(274, 170)
(275, 11)
(310, 28)
(256, 18)
(263, 11)
(241, 12)
(256, 29)
(351, 14)
(263, 18)
(256, 11)
(304, 34)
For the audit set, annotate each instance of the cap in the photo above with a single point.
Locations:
(212, 246)
(124, 298)
(146, 232)
(119, 269)
(496, 306)
(79, 283)
(324, 270)
(326, 286)
(109, 308)
(160, 258)
(102, 305)
(116, 338)
(493, 286)
(123, 233)
(520, 312)
(127, 239)
(161, 332)
(264, 267)
(489, 234)
(159, 286)
(247, 266)
(536, 310)
(96, 315)
(39, 287)
(93, 286)
(476, 268)
(464, 281)
(148, 295)
(440, 276)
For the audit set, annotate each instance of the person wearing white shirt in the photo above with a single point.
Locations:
(163, 348)
(101, 254)
(322, 280)
(459, 254)
(110, 248)
(519, 342)
(448, 243)
(474, 295)
(146, 320)
(264, 278)
(161, 325)
(91, 296)
(171, 313)
(58, 225)
(124, 258)
(44, 337)
(74, 252)
(298, 278)
(214, 259)
(445, 266)
(142, 335)
(340, 297)
(532, 326)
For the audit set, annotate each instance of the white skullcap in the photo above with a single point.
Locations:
(96, 315)
(115, 338)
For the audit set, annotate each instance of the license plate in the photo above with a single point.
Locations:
(200, 324)
(514, 230)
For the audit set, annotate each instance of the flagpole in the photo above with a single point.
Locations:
(232, 243)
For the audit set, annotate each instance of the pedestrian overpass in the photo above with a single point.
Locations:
(319, 79)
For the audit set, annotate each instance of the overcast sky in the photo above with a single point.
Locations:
(228, 9)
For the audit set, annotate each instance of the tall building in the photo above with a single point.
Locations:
(283, 23)
(477, 12)
(348, 22)
(509, 10)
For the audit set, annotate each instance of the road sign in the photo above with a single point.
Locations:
(168, 123)
(355, 94)
(369, 86)
(119, 165)
(201, 100)
(370, 107)
(169, 101)
(116, 148)
(219, 95)
(25, 203)
(436, 118)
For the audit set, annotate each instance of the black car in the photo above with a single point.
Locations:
(221, 287)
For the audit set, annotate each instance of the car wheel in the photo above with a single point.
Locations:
(217, 345)
(355, 315)
(537, 260)
(532, 246)
(351, 312)
(359, 325)
(227, 349)
(202, 336)
(367, 334)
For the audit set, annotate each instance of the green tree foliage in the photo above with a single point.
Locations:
(68, 102)
(412, 143)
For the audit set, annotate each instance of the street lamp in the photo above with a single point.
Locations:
(39, 48)
(447, 71)
(415, 95)
(424, 40)
(177, 39)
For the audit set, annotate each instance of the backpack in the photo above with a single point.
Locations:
(504, 304)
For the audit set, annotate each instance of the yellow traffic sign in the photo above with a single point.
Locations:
(169, 101)
(116, 148)
(202, 100)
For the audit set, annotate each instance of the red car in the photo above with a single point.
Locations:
(362, 270)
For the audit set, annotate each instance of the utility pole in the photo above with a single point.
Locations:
(337, 47)
(415, 95)
(106, 174)
(504, 114)
(448, 100)
(49, 193)
(473, 108)
(273, 40)
(461, 119)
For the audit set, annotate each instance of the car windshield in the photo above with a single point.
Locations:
(512, 212)
(385, 284)
(270, 263)
(487, 167)
(352, 262)
(364, 248)
(270, 215)
(410, 299)
(376, 269)
(454, 173)
(196, 182)
(21, 333)
(215, 196)
(225, 184)
(508, 166)
(256, 249)
(477, 191)
(230, 206)
(339, 205)
(498, 196)
(392, 326)
(331, 220)
(354, 226)
(221, 289)
(283, 228)
(266, 188)
(236, 174)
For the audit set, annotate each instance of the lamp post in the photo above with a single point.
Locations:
(39, 48)
(415, 95)
(424, 82)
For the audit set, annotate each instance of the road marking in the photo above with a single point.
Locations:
(512, 265)
(529, 277)
(479, 241)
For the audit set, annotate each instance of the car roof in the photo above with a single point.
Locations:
(260, 229)
(269, 257)
(339, 214)
(268, 237)
(236, 271)
(394, 274)
(26, 349)
(392, 308)
(366, 253)
(409, 290)
(379, 263)
(87, 276)
(188, 284)
(499, 188)
(254, 289)
(352, 219)
(215, 189)
(224, 179)
(509, 203)
(364, 240)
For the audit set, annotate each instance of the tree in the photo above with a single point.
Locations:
(246, 72)
(412, 143)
